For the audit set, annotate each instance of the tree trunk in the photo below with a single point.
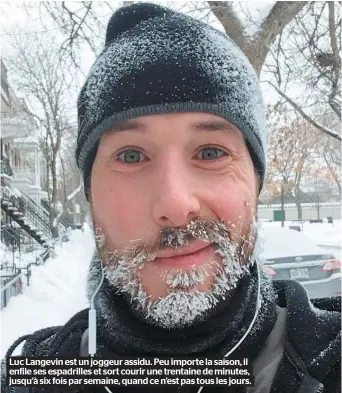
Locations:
(299, 210)
(53, 211)
(282, 204)
(48, 168)
(318, 208)
(298, 203)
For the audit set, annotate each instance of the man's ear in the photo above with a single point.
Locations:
(87, 186)
(257, 183)
(87, 170)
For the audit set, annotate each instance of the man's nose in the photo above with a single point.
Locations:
(175, 202)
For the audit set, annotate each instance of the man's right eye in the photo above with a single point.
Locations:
(131, 156)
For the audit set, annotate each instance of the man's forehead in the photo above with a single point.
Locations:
(191, 121)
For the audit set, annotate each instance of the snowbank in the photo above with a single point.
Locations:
(324, 234)
(56, 293)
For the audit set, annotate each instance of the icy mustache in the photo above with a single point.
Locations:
(215, 232)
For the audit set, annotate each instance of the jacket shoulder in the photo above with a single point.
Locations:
(313, 330)
(328, 303)
(57, 340)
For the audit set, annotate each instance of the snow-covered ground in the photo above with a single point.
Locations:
(17, 259)
(57, 289)
(56, 292)
(323, 233)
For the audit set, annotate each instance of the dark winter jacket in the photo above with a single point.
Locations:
(310, 362)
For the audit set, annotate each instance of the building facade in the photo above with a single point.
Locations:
(21, 161)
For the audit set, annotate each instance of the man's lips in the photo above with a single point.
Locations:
(194, 254)
(188, 249)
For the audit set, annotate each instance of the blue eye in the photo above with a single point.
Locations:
(211, 153)
(130, 156)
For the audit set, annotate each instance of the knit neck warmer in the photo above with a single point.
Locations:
(120, 332)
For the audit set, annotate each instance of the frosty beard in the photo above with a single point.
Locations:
(183, 305)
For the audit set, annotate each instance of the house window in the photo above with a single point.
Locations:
(5, 149)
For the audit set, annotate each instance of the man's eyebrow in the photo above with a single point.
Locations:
(128, 125)
(212, 125)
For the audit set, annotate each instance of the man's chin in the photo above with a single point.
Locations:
(159, 283)
(179, 309)
(181, 301)
(166, 290)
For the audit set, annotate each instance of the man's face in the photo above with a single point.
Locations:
(172, 199)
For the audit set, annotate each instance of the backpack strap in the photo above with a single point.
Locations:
(308, 384)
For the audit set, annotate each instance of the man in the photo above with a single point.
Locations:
(172, 147)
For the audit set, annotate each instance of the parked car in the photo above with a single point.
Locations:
(289, 254)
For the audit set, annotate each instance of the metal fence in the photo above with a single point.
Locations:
(12, 284)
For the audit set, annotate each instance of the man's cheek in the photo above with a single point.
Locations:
(124, 226)
(230, 208)
(237, 216)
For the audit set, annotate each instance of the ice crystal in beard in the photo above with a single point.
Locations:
(180, 278)
(181, 306)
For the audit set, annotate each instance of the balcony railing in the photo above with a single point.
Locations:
(12, 114)
(24, 173)
(13, 125)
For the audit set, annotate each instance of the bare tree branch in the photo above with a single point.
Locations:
(257, 47)
(280, 15)
(224, 12)
(327, 131)
(81, 24)
(306, 59)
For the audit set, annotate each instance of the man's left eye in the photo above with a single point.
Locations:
(211, 153)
